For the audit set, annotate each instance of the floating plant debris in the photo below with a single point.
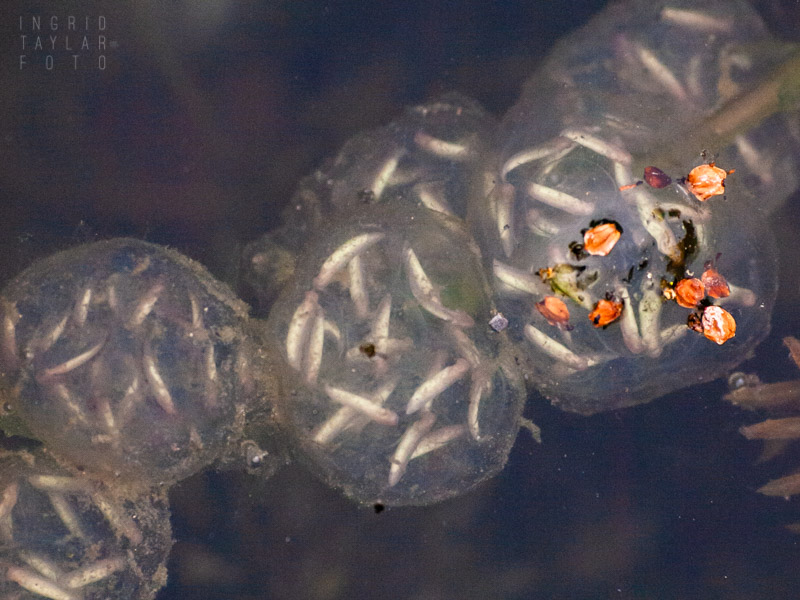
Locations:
(779, 398)
(718, 324)
(708, 180)
(689, 292)
(498, 322)
(554, 310)
(601, 239)
(656, 178)
(605, 312)
(716, 285)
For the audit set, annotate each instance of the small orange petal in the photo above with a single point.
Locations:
(718, 324)
(688, 292)
(605, 312)
(554, 310)
(708, 180)
(601, 239)
(716, 284)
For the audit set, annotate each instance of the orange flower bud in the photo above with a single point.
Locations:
(601, 239)
(688, 292)
(605, 312)
(718, 324)
(554, 310)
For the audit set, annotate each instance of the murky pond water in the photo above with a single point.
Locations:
(191, 126)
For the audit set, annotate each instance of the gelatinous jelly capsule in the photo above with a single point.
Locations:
(67, 537)
(396, 388)
(633, 88)
(425, 158)
(429, 157)
(628, 90)
(662, 81)
(628, 343)
(708, 180)
(126, 359)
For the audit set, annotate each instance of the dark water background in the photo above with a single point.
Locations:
(194, 135)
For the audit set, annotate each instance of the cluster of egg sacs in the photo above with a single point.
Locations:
(387, 334)
(638, 88)
(129, 364)
(401, 292)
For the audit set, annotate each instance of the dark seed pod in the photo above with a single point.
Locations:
(656, 178)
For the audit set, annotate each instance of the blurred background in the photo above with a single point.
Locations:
(194, 133)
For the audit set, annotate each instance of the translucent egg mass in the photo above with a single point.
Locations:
(628, 262)
(616, 291)
(125, 358)
(67, 537)
(396, 387)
